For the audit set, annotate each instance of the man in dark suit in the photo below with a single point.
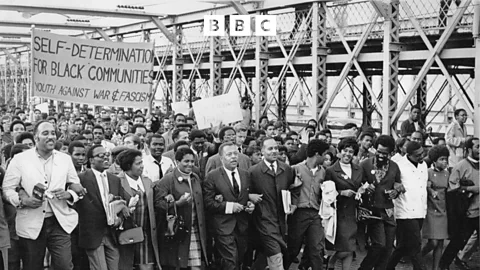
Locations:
(96, 233)
(230, 214)
(268, 179)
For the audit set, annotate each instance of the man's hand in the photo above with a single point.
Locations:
(347, 193)
(237, 208)
(255, 198)
(250, 207)
(79, 189)
(32, 202)
(219, 198)
(169, 198)
(292, 210)
(61, 194)
(392, 194)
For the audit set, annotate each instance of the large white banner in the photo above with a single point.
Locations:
(91, 71)
(211, 111)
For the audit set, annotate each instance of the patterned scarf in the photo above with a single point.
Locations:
(380, 172)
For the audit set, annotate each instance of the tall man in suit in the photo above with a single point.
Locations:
(48, 220)
(230, 215)
(268, 179)
(96, 235)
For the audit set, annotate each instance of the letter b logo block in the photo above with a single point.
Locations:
(240, 25)
(214, 25)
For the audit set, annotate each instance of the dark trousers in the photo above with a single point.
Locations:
(409, 243)
(306, 224)
(457, 242)
(382, 236)
(53, 237)
(231, 250)
(79, 256)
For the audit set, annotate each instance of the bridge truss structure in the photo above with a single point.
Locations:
(366, 48)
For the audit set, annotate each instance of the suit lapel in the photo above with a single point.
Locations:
(266, 169)
(94, 184)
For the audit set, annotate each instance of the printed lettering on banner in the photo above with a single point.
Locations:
(92, 71)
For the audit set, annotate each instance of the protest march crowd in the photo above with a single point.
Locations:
(117, 189)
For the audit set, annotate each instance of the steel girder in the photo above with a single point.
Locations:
(390, 66)
(422, 99)
(433, 53)
(216, 65)
(177, 80)
(261, 75)
(319, 57)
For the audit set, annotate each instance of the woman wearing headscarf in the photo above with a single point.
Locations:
(181, 189)
(143, 255)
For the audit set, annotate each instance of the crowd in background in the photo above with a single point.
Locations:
(214, 198)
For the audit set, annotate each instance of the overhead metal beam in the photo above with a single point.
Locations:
(14, 42)
(104, 35)
(239, 8)
(159, 24)
(375, 57)
(197, 16)
(15, 35)
(66, 26)
(111, 13)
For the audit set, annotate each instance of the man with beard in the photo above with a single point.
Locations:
(155, 165)
(383, 176)
(466, 169)
(412, 124)
(411, 207)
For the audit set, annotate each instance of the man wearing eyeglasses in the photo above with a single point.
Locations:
(96, 230)
(456, 135)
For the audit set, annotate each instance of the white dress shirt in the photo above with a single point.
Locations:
(98, 177)
(269, 165)
(151, 170)
(229, 206)
(413, 203)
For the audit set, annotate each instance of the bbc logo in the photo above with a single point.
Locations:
(240, 25)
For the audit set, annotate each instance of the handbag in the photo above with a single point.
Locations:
(175, 224)
(131, 236)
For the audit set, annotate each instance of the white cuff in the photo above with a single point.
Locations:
(229, 208)
(74, 196)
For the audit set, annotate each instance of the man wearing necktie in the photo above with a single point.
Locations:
(231, 212)
(268, 179)
(156, 165)
(96, 232)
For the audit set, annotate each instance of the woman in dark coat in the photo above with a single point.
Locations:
(144, 255)
(348, 179)
(182, 188)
